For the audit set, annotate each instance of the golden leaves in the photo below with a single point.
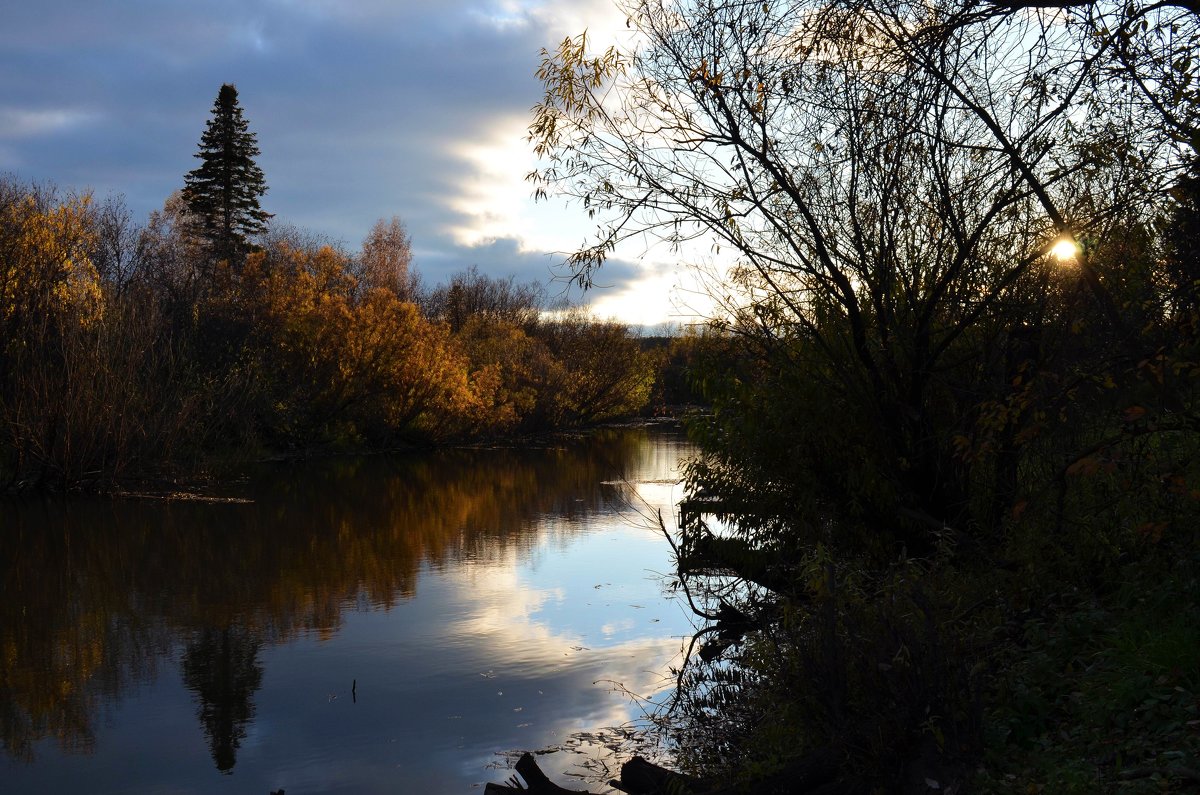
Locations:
(45, 267)
(572, 80)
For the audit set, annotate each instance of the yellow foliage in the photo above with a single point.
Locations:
(45, 269)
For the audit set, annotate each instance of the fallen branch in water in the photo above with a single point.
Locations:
(638, 777)
(537, 782)
(816, 773)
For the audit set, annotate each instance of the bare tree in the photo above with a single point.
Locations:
(471, 294)
(889, 179)
(170, 255)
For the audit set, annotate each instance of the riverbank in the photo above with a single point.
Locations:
(180, 360)
(205, 485)
(950, 677)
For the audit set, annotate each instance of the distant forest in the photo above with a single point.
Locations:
(132, 351)
(147, 350)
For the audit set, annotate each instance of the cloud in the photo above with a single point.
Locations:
(362, 110)
(508, 256)
(26, 123)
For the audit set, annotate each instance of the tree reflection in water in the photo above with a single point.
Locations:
(221, 668)
(95, 594)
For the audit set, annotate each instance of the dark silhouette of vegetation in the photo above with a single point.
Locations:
(222, 193)
(685, 356)
(936, 448)
(471, 295)
(220, 666)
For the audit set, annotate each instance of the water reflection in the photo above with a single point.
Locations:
(99, 595)
(221, 667)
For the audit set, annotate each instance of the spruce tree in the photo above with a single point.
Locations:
(223, 192)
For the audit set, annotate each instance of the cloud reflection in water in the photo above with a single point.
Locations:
(483, 602)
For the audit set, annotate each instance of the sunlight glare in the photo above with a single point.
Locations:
(1065, 250)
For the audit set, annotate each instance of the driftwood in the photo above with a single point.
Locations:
(816, 774)
(702, 553)
(638, 777)
(536, 782)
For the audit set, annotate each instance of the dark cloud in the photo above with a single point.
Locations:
(497, 258)
(504, 257)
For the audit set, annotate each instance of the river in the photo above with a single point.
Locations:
(367, 625)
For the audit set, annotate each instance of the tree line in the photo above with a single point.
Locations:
(145, 350)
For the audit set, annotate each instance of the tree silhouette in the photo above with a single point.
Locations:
(223, 191)
(1181, 259)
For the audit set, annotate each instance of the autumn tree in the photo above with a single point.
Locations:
(571, 369)
(325, 366)
(47, 277)
(91, 386)
(223, 192)
(605, 373)
(386, 259)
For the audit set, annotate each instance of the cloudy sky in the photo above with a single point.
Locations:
(363, 109)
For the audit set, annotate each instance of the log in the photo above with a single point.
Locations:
(709, 554)
(639, 777)
(815, 774)
(536, 782)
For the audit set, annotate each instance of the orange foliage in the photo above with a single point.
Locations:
(344, 368)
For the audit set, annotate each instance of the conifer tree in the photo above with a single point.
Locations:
(223, 192)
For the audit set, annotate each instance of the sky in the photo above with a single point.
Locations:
(363, 109)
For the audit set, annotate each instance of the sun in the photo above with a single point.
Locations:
(1065, 249)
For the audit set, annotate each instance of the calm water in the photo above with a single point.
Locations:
(484, 601)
